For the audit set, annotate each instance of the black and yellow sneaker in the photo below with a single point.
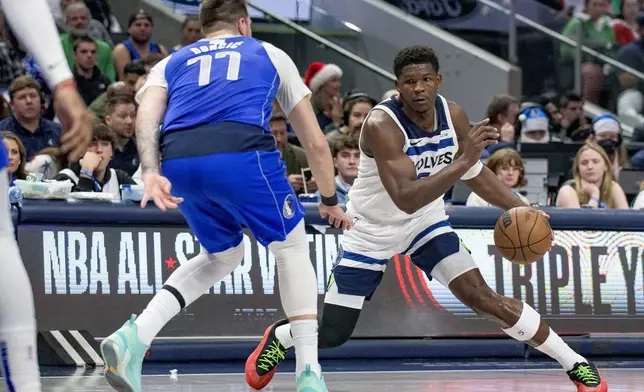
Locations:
(587, 378)
(262, 363)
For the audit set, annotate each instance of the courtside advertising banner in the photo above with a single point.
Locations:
(94, 277)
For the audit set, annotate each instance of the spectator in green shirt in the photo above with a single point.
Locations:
(596, 33)
(77, 17)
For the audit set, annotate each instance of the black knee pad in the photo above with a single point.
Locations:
(337, 325)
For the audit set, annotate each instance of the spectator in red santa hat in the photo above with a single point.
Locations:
(324, 82)
(625, 26)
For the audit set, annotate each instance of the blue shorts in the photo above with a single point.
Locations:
(223, 192)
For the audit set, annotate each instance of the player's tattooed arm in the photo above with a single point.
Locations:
(148, 123)
(382, 140)
(486, 184)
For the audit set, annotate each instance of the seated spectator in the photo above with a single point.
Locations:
(346, 156)
(607, 132)
(638, 203)
(625, 25)
(16, 155)
(93, 173)
(150, 60)
(502, 112)
(48, 162)
(190, 32)
(97, 107)
(631, 55)
(533, 125)
(554, 115)
(120, 114)
(133, 72)
(508, 166)
(324, 82)
(91, 82)
(78, 16)
(574, 124)
(26, 121)
(293, 156)
(596, 33)
(356, 108)
(592, 185)
(139, 45)
(95, 30)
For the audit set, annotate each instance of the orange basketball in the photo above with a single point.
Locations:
(523, 235)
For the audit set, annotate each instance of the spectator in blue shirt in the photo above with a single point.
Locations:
(26, 121)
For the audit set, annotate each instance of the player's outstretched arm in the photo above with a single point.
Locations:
(484, 183)
(148, 126)
(397, 172)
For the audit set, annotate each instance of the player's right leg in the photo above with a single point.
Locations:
(18, 353)
(447, 260)
(354, 279)
(222, 251)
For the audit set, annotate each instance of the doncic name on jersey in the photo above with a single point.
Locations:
(216, 45)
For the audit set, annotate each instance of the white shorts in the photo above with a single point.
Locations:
(366, 249)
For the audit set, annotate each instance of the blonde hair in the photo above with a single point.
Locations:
(606, 188)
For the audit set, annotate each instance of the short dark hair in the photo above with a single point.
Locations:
(111, 104)
(499, 105)
(213, 12)
(415, 55)
(569, 97)
(82, 39)
(345, 142)
(103, 133)
(189, 18)
(134, 68)
(21, 83)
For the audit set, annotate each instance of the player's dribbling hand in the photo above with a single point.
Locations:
(336, 215)
(480, 136)
(76, 120)
(158, 189)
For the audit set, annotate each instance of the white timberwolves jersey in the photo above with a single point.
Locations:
(430, 152)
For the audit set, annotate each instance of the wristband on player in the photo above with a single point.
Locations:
(329, 201)
(69, 83)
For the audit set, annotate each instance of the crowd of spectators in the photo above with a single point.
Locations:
(108, 73)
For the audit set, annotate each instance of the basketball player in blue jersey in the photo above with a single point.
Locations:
(414, 147)
(34, 26)
(219, 155)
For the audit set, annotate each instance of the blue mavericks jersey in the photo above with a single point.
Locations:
(229, 79)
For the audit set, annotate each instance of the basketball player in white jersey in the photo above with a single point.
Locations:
(34, 27)
(414, 147)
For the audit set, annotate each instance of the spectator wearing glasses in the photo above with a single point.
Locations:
(508, 166)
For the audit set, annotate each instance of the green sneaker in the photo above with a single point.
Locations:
(309, 382)
(587, 378)
(123, 354)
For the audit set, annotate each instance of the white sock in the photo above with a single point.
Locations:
(190, 281)
(163, 307)
(283, 334)
(557, 349)
(18, 352)
(305, 339)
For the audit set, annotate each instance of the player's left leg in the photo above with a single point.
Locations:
(459, 273)
(18, 353)
(221, 238)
